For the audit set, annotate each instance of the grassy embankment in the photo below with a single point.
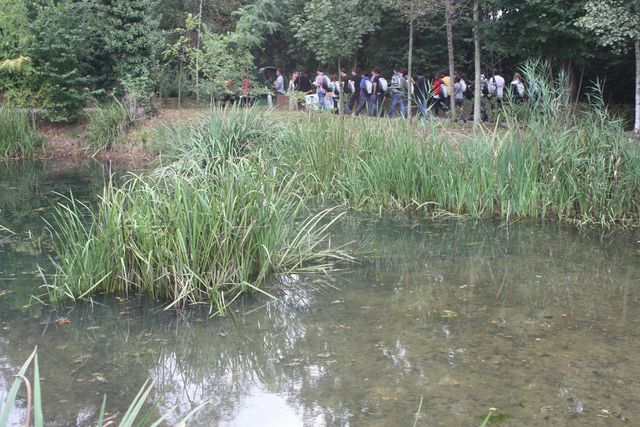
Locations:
(17, 138)
(220, 216)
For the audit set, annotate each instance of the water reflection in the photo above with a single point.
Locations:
(539, 321)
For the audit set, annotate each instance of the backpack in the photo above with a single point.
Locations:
(396, 82)
(325, 84)
(366, 86)
(485, 88)
(493, 86)
(382, 84)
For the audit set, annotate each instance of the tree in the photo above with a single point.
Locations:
(616, 24)
(222, 61)
(477, 64)
(333, 29)
(413, 13)
(61, 58)
(135, 41)
(524, 29)
(15, 37)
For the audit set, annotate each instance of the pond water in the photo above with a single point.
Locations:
(453, 317)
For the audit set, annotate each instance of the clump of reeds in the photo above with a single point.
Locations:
(203, 236)
(107, 126)
(17, 137)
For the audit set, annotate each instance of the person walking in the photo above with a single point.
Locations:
(496, 92)
(517, 89)
(281, 90)
(397, 88)
(366, 90)
(379, 89)
(458, 93)
(354, 82)
(439, 95)
(347, 90)
(406, 92)
(322, 87)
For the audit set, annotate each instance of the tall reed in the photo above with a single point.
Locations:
(17, 136)
(187, 235)
(107, 126)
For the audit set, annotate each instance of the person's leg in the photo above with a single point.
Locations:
(372, 105)
(404, 107)
(346, 102)
(321, 100)
(379, 105)
(395, 97)
(362, 104)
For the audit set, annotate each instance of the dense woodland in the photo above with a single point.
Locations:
(65, 55)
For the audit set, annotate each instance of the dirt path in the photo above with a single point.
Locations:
(68, 140)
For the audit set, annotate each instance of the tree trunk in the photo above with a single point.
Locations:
(340, 106)
(476, 43)
(409, 73)
(636, 127)
(180, 85)
(448, 18)
(198, 48)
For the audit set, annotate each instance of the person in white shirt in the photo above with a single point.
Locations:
(517, 88)
(496, 86)
(496, 91)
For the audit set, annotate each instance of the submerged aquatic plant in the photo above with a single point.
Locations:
(17, 136)
(34, 402)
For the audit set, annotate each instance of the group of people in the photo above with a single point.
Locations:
(365, 93)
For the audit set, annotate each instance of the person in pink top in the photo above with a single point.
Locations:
(321, 84)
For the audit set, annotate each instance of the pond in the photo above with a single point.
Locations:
(451, 316)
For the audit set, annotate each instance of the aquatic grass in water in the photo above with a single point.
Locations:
(17, 137)
(34, 402)
(107, 126)
(204, 236)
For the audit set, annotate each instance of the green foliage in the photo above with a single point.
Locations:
(221, 60)
(15, 37)
(536, 29)
(17, 137)
(60, 56)
(614, 22)
(135, 42)
(333, 29)
(256, 22)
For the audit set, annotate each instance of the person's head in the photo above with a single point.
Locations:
(420, 72)
(440, 75)
(354, 72)
(367, 74)
(343, 72)
(278, 72)
(517, 77)
(396, 70)
(376, 71)
(320, 70)
(496, 72)
(457, 79)
(404, 71)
